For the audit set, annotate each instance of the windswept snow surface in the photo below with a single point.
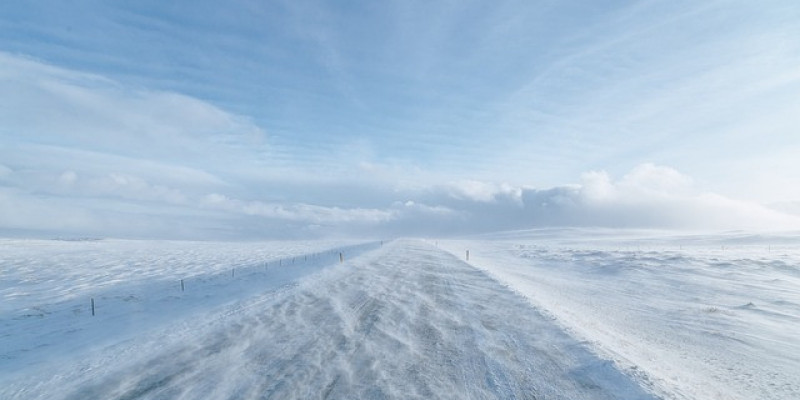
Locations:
(406, 320)
(46, 288)
(697, 316)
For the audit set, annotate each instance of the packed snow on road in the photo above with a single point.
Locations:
(536, 314)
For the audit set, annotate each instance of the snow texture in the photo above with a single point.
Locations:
(47, 288)
(404, 321)
(555, 314)
(694, 316)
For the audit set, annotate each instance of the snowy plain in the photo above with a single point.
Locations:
(695, 316)
(401, 320)
(47, 287)
(554, 314)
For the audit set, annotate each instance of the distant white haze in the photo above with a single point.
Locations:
(308, 119)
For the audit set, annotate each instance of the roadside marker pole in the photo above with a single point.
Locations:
(93, 306)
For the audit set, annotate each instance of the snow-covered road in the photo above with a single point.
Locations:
(405, 321)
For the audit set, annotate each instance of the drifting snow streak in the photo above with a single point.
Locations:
(47, 288)
(408, 321)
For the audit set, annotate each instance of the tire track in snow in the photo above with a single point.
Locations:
(408, 321)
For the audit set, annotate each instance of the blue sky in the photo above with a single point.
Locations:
(297, 118)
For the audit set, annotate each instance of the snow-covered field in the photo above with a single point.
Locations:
(557, 314)
(695, 316)
(47, 286)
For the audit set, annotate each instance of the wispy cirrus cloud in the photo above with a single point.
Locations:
(263, 119)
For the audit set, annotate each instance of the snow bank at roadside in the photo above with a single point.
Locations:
(700, 316)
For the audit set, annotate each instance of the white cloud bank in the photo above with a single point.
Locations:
(650, 196)
(115, 205)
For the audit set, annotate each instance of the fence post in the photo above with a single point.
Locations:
(467, 255)
(341, 258)
(93, 306)
(181, 285)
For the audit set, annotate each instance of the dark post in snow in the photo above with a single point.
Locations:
(233, 272)
(93, 306)
(341, 258)
(181, 285)
(467, 255)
